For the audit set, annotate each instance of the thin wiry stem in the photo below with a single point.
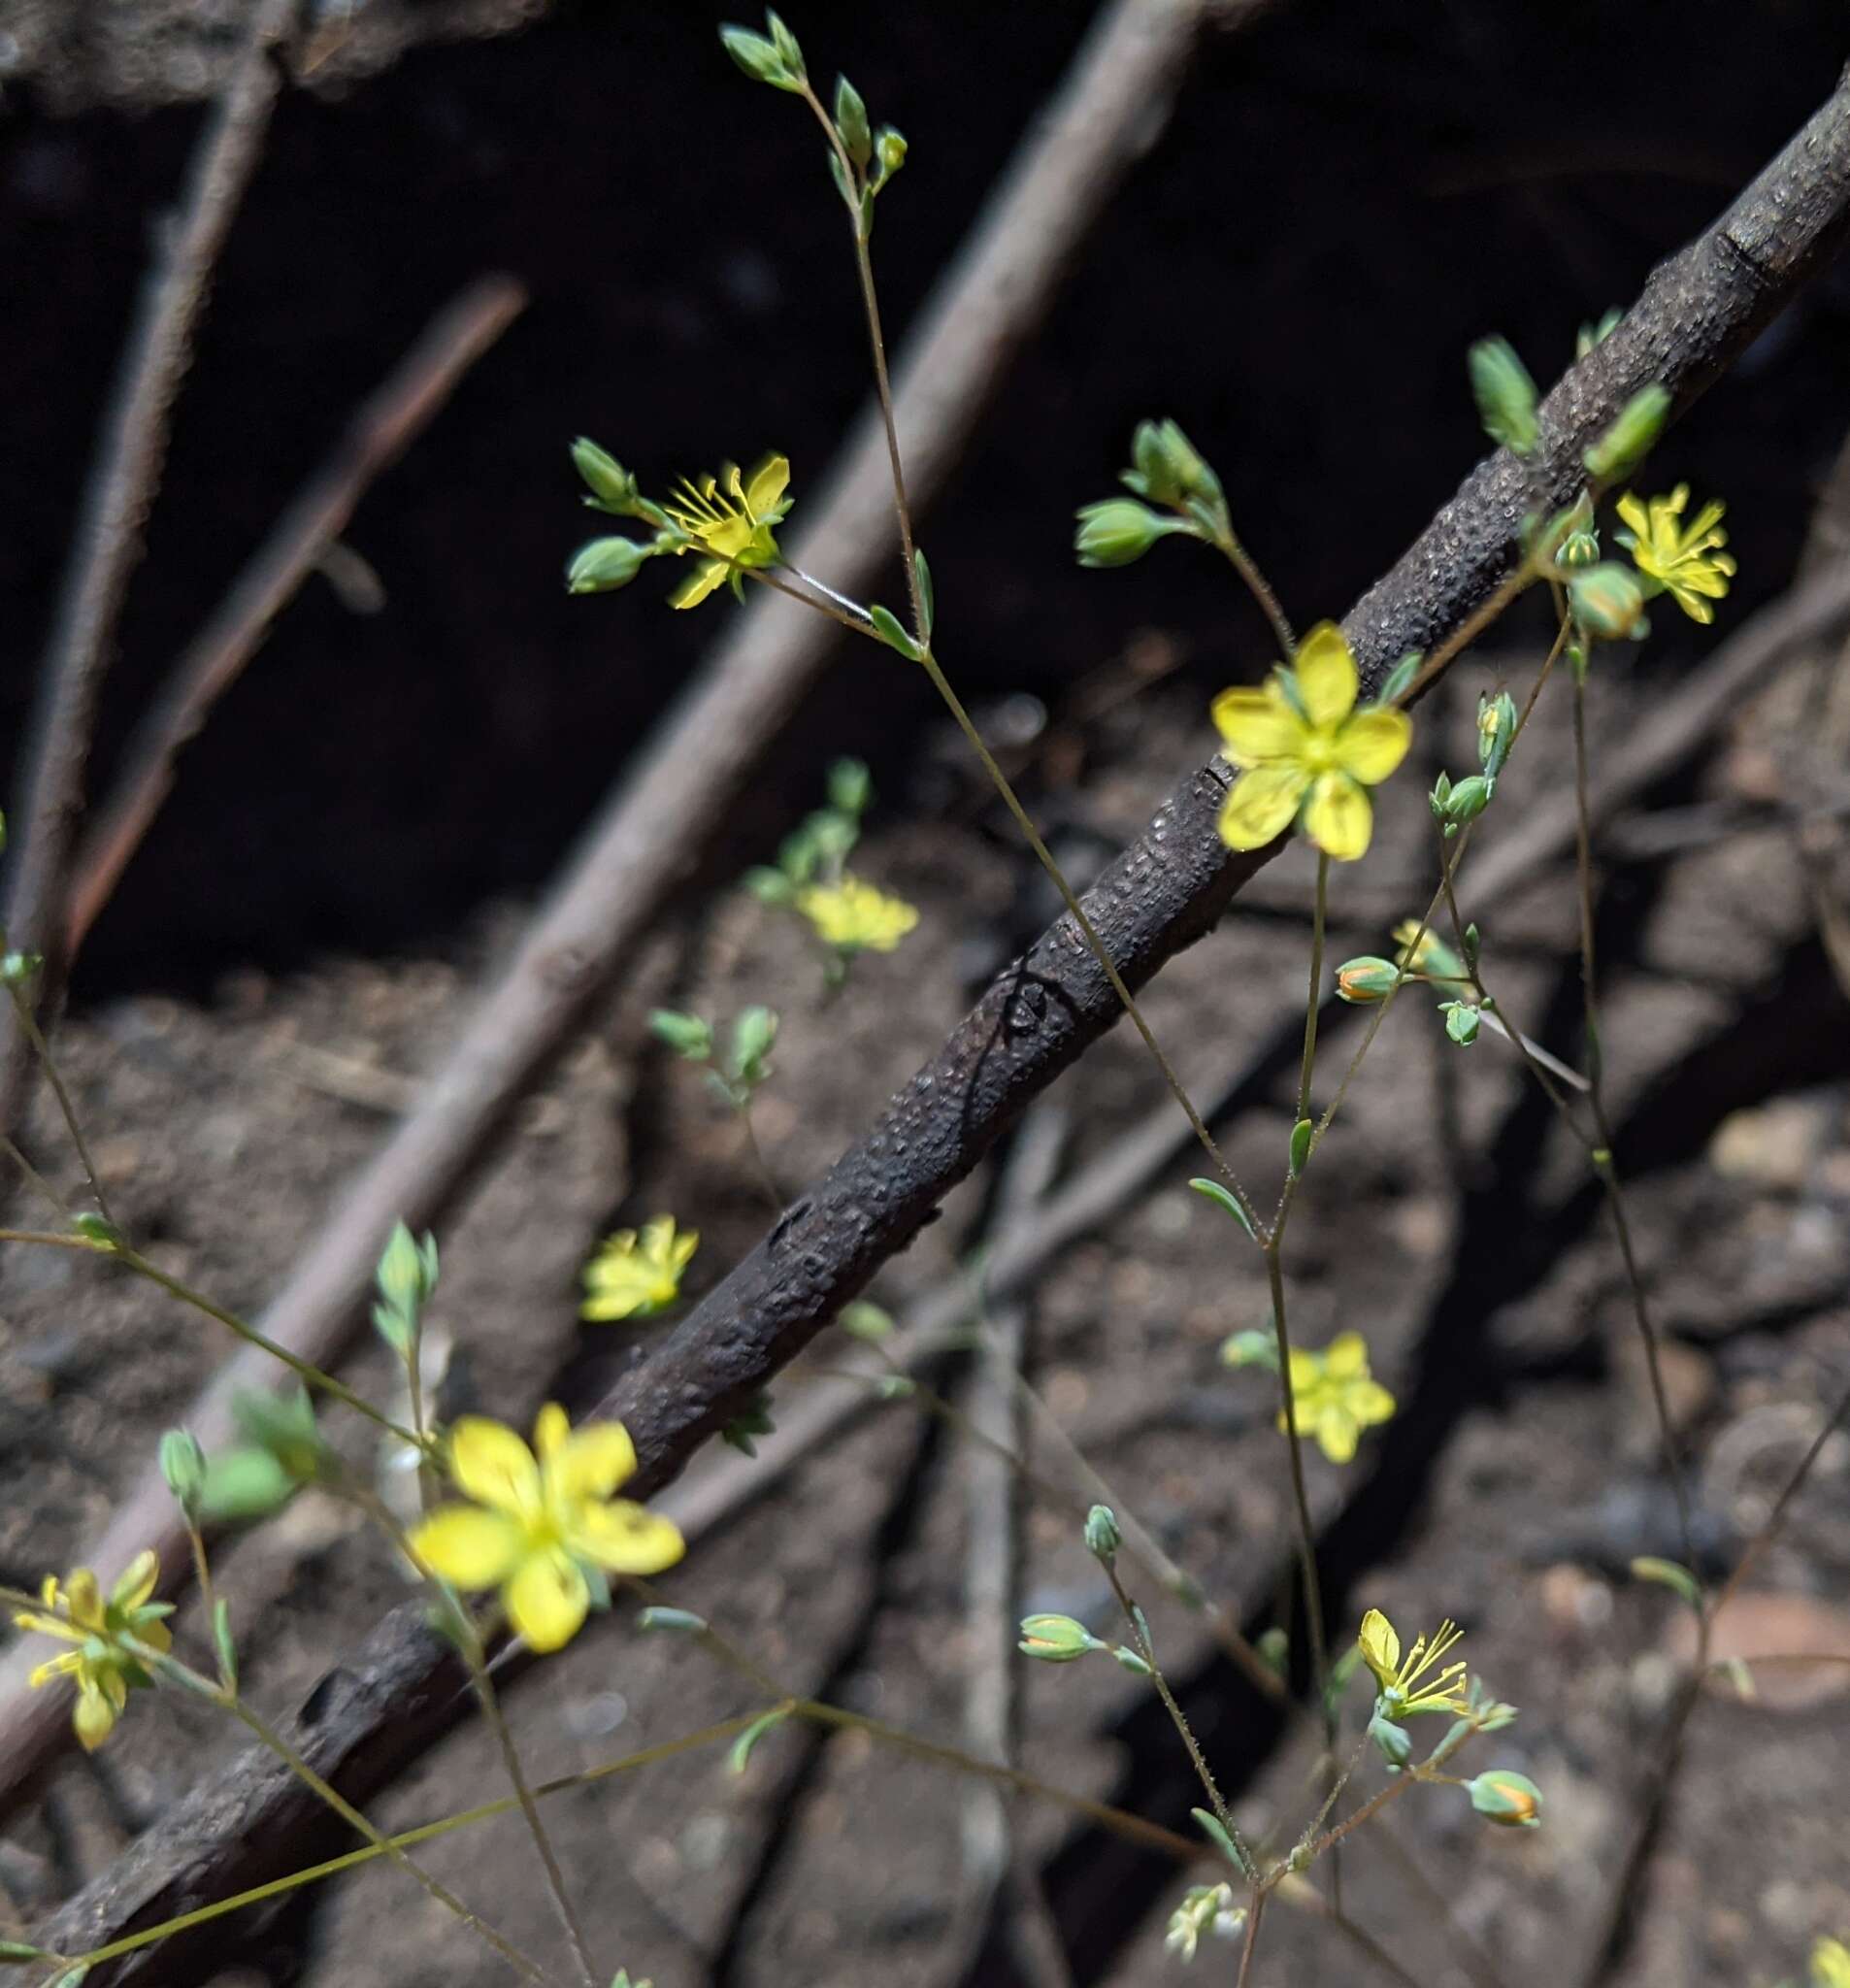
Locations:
(42, 1053)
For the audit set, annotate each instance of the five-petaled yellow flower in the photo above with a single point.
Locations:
(1685, 560)
(1403, 1695)
(731, 515)
(854, 916)
(1334, 1397)
(76, 1612)
(1830, 1963)
(533, 1523)
(1301, 742)
(634, 1276)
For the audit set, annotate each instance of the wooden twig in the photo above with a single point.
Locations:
(395, 1692)
(108, 535)
(381, 430)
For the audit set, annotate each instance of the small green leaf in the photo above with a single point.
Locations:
(1213, 1190)
(672, 1622)
(1399, 679)
(690, 1035)
(887, 626)
(924, 575)
(850, 786)
(1505, 395)
(740, 1758)
(1301, 1134)
(851, 122)
(1625, 444)
(222, 1642)
(1668, 1574)
(756, 56)
(13, 1951)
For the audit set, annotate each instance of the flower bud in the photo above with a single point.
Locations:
(1056, 1638)
(1619, 451)
(603, 565)
(1102, 1538)
(183, 1462)
(1461, 1022)
(690, 1035)
(607, 480)
(1580, 548)
(1392, 1742)
(1496, 731)
(1117, 531)
(1465, 801)
(1506, 394)
(1365, 980)
(1607, 602)
(889, 148)
(1503, 1796)
(1168, 467)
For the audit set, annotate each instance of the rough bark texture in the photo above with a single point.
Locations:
(374, 1712)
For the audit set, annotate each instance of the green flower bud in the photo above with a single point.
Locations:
(1506, 394)
(1117, 531)
(1607, 602)
(1505, 1797)
(1466, 801)
(1101, 1536)
(1365, 980)
(183, 1462)
(1580, 548)
(1495, 732)
(687, 1034)
(609, 481)
(1461, 1022)
(851, 122)
(850, 786)
(1619, 451)
(890, 150)
(1169, 469)
(761, 58)
(605, 564)
(1250, 1348)
(866, 1320)
(1056, 1638)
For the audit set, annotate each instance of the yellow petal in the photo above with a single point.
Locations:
(592, 1463)
(626, 1538)
(156, 1634)
(1346, 1356)
(547, 1599)
(550, 1427)
(93, 1719)
(1339, 819)
(769, 481)
(1257, 725)
(1338, 1434)
(1369, 1402)
(1380, 1647)
(1261, 805)
(1324, 671)
(1632, 509)
(467, 1546)
(699, 583)
(1372, 744)
(137, 1580)
(491, 1464)
(84, 1599)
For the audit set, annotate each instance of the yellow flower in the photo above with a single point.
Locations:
(1403, 1695)
(854, 916)
(76, 1612)
(731, 515)
(1301, 742)
(1830, 1963)
(1685, 560)
(634, 1276)
(1334, 1396)
(533, 1523)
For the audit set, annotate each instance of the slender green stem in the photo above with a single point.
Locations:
(1259, 587)
(310, 1375)
(1300, 1496)
(37, 1182)
(760, 1166)
(1604, 1163)
(50, 1239)
(1255, 1912)
(1313, 1006)
(42, 1050)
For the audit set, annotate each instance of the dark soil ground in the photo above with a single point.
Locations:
(292, 955)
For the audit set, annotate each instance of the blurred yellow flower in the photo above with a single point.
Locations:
(1301, 742)
(634, 1276)
(1830, 1963)
(1685, 560)
(731, 515)
(533, 1522)
(854, 916)
(1402, 1692)
(1334, 1396)
(76, 1612)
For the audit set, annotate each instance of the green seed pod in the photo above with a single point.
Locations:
(605, 564)
(1607, 602)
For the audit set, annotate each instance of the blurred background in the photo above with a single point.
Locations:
(1345, 197)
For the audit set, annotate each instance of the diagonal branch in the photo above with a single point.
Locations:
(396, 1693)
(108, 535)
